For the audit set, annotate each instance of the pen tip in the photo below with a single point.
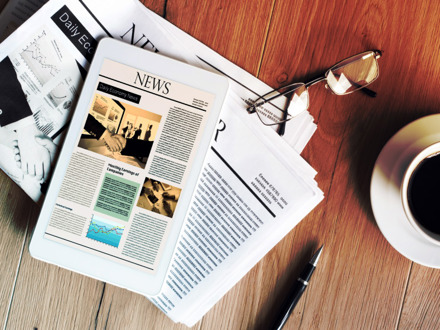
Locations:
(316, 256)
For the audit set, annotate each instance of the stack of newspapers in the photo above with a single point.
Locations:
(254, 187)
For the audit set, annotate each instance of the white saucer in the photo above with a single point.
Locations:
(385, 191)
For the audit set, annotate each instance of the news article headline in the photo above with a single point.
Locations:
(118, 92)
(120, 170)
(70, 25)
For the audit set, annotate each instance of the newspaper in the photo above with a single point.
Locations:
(254, 188)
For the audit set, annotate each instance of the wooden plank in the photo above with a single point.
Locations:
(49, 297)
(360, 274)
(421, 309)
(13, 227)
(236, 29)
(123, 309)
(159, 7)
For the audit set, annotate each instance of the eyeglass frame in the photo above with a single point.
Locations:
(281, 129)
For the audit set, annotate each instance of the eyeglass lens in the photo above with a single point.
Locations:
(353, 73)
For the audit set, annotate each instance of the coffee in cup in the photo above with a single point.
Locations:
(420, 193)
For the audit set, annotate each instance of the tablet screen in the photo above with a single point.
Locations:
(123, 185)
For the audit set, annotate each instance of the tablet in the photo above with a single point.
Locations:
(128, 167)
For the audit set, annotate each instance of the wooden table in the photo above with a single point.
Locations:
(361, 281)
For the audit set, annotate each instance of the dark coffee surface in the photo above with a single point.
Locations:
(424, 194)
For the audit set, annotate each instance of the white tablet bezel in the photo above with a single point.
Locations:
(93, 265)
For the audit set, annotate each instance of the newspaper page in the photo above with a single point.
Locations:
(239, 212)
(125, 177)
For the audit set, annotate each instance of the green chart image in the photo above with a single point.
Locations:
(117, 196)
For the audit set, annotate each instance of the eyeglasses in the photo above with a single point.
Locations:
(345, 77)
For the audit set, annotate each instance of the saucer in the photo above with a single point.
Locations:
(385, 191)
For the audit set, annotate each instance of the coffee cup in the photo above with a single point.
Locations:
(420, 192)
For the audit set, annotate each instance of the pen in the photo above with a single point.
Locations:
(300, 286)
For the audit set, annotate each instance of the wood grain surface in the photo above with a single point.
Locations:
(361, 282)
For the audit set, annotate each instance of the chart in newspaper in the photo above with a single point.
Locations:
(129, 167)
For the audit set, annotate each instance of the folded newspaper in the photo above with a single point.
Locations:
(254, 187)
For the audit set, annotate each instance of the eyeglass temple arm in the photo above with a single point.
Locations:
(367, 91)
(264, 101)
(364, 90)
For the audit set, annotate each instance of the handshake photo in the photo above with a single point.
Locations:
(114, 142)
(117, 142)
(33, 153)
